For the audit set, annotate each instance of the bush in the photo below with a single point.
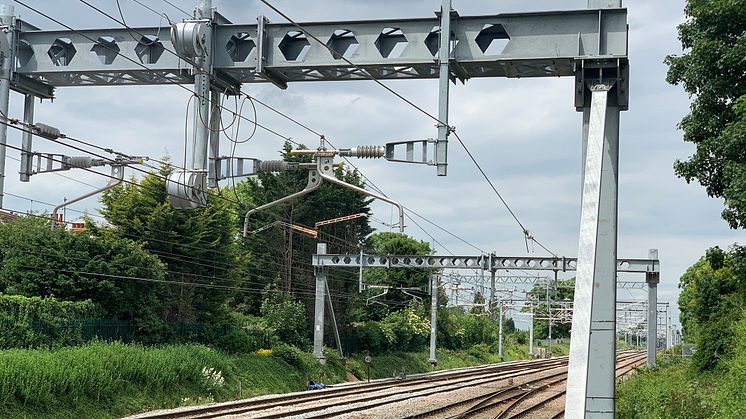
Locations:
(238, 342)
(290, 354)
(30, 322)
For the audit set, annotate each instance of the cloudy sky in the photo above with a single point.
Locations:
(525, 133)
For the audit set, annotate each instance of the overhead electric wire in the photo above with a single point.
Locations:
(194, 93)
(178, 8)
(241, 116)
(527, 234)
(118, 52)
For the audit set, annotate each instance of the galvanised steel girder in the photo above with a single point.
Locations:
(540, 44)
(484, 262)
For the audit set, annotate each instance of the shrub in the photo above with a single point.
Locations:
(238, 342)
(30, 322)
(290, 354)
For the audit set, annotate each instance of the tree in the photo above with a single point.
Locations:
(711, 302)
(388, 243)
(280, 250)
(197, 245)
(110, 271)
(561, 291)
(712, 73)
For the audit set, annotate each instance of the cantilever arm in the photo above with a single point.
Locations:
(334, 180)
(117, 176)
(313, 184)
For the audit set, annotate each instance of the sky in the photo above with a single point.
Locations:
(525, 133)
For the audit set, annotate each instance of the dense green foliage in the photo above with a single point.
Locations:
(713, 315)
(197, 246)
(35, 261)
(712, 73)
(32, 322)
(713, 294)
(674, 388)
(562, 290)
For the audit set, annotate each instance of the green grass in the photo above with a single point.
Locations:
(106, 380)
(110, 380)
(674, 389)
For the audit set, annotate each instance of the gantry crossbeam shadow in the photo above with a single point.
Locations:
(217, 56)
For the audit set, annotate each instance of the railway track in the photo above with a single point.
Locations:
(361, 397)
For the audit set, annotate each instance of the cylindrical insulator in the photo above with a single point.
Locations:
(80, 162)
(370, 151)
(45, 131)
(273, 166)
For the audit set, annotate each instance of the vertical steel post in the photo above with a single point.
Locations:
(318, 318)
(26, 138)
(202, 75)
(531, 332)
(433, 318)
(500, 332)
(214, 150)
(591, 372)
(360, 276)
(6, 72)
(652, 280)
(444, 57)
(492, 283)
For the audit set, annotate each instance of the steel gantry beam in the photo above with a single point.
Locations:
(538, 44)
(484, 262)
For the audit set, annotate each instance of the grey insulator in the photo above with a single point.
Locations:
(80, 162)
(46, 131)
(273, 166)
(370, 151)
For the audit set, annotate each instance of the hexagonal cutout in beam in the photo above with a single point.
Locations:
(149, 49)
(432, 41)
(294, 46)
(343, 44)
(25, 53)
(105, 50)
(391, 42)
(239, 47)
(62, 51)
(492, 39)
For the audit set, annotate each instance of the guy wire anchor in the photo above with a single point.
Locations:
(322, 169)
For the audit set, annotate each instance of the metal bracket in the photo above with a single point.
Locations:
(117, 176)
(233, 167)
(262, 48)
(413, 154)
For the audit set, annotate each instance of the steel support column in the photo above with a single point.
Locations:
(433, 318)
(531, 332)
(318, 329)
(444, 75)
(652, 280)
(27, 137)
(214, 171)
(202, 92)
(500, 331)
(591, 379)
(6, 72)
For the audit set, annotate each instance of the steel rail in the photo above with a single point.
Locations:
(480, 399)
(504, 413)
(286, 400)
